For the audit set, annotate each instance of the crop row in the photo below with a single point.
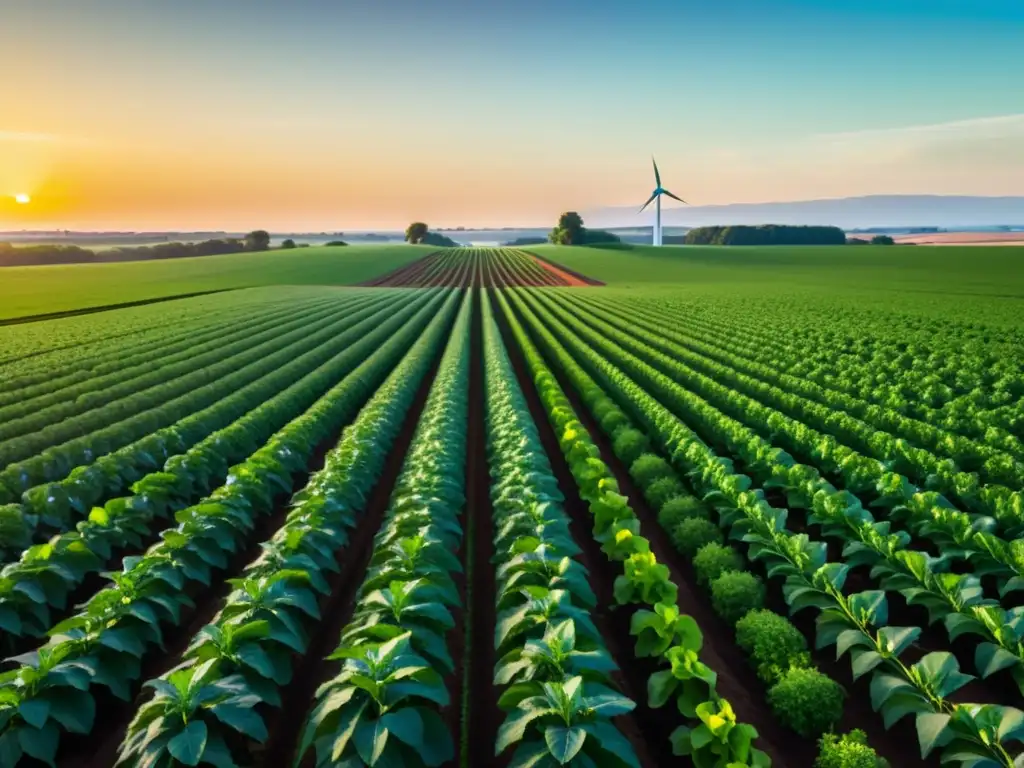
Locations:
(89, 469)
(966, 387)
(107, 641)
(969, 732)
(42, 580)
(32, 352)
(927, 514)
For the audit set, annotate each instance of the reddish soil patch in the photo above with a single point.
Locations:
(562, 277)
(565, 272)
(952, 238)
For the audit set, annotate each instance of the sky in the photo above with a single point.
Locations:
(367, 114)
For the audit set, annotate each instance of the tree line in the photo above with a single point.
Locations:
(766, 234)
(34, 255)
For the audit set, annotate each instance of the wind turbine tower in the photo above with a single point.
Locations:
(656, 197)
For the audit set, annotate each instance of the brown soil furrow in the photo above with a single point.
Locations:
(482, 716)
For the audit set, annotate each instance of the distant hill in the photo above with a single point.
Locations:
(848, 212)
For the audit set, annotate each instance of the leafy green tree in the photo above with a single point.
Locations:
(416, 231)
(569, 230)
(288, 244)
(882, 240)
(257, 240)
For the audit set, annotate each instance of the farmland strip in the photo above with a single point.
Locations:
(927, 514)
(896, 689)
(59, 569)
(107, 640)
(55, 505)
(32, 415)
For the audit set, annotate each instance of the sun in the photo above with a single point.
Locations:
(22, 199)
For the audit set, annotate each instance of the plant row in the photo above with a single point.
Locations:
(928, 514)
(47, 574)
(213, 708)
(55, 506)
(553, 669)
(856, 624)
(35, 414)
(104, 644)
(384, 705)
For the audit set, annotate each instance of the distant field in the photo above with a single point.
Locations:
(61, 288)
(952, 270)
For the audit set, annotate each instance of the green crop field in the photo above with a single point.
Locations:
(737, 507)
(26, 291)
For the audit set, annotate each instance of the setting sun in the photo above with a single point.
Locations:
(22, 199)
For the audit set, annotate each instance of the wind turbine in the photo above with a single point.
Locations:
(656, 196)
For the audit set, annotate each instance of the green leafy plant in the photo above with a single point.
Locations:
(644, 580)
(807, 701)
(567, 724)
(648, 468)
(676, 510)
(629, 445)
(736, 593)
(656, 631)
(849, 750)
(175, 726)
(663, 490)
(719, 741)
(693, 533)
(380, 709)
(773, 644)
(714, 559)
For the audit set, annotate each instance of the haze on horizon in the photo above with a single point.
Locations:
(367, 114)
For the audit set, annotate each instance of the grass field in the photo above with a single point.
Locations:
(481, 512)
(951, 270)
(44, 290)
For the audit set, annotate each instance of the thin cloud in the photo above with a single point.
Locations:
(970, 125)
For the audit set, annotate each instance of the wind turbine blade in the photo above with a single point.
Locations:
(666, 192)
(657, 176)
(649, 201)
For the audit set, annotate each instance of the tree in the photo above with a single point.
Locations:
(257, 240)
(882, 240)
(416, 231)
(288, 244)
(569, 230)
(333, 243)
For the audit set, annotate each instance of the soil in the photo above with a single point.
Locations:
(482, 714)
(565, 270)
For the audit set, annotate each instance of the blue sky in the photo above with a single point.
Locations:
(504, 113)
